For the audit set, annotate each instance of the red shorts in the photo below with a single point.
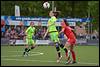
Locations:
(72, 41)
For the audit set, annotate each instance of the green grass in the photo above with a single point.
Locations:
(12, 56)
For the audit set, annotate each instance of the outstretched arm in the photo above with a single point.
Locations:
(62, 30)
(45, 34)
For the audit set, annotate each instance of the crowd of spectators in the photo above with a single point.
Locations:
(82, 33)
(18, 32)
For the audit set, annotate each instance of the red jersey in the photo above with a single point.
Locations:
(68, 32)
(70, 35)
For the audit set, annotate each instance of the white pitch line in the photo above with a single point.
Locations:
(38, 53)
(22, 51)
(21, 55)
(28, 60)
(47, 61)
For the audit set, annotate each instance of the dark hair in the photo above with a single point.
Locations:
(65, 21)
(56, 14)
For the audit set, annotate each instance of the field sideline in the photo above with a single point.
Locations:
(46, 56)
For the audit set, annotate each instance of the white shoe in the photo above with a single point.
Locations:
(59, 59)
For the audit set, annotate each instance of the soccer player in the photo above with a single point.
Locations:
(51, 29)
(29, 35)
(67, 30)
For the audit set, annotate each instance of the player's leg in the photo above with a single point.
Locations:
(58, 52)
(32, 44)
(57, 43)
(25, 50)
(67, 45)
(55, 39)
(26, 47)
(70, 46)
(73, 54)
(64, 48)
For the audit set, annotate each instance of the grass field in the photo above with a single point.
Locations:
(46, 56)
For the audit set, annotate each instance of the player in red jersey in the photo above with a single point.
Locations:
(67, 30)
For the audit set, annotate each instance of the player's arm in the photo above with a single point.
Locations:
(34, 30)
(27, 30)
(62, 30)
(45, 34)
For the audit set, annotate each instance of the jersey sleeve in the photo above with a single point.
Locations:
(27, 29)
(33, 30)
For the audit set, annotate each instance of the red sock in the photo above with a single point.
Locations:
(66, 53)
(73, 55)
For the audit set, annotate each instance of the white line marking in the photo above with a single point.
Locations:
(38, 53)
(33, 54)
(21, 55)
(22, 51)
(47, 61)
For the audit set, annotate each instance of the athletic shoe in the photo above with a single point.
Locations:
(25, 54)
(59, 59)
(73, 62)
(68, 60)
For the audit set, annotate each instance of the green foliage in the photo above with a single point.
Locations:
(67, 9)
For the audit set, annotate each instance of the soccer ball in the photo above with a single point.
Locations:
(46, 5)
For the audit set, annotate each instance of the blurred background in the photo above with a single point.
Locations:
(86, 30)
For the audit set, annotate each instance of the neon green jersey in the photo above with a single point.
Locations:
(30, 31)
(51, 24)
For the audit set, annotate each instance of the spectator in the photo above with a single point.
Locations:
(95, 34)
(22, 34)
(18, 30)
(7, 34)
(39, 31)
(12, 36)
(3, 31)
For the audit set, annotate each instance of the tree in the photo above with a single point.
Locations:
(94, 11)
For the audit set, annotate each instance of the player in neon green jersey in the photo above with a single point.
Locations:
(29, 35)
(51, 29)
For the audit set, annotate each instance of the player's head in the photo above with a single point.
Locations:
(32, 24)
(53, 13)
(39, 23)
(64, 23)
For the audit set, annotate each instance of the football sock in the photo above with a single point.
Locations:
(30, 49)
(58, 50)
(73, 55)
(68, 53)
(59, 55)
(25, 50)
(62, 46)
